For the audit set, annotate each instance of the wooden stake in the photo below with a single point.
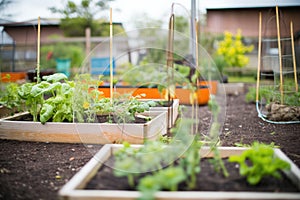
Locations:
(38, 51)
(195, 96)
(279, 54)
(87, 41)
(111, 56)
(259, 57)
(170, 58)
(294, 57)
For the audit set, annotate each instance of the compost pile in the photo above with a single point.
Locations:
(278, 112)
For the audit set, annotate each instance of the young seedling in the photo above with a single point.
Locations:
(262, 163)
(214, 137)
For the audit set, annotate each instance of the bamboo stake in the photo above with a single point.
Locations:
(195, 96)
(170, 56)
(38, 51)
(294, 57)
(259, 57)
(279, 53)
(111, 55)
(170, 61)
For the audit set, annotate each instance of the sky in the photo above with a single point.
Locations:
(125, 11)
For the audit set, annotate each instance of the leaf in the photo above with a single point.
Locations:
(46, 113)
(254, 179)
(39, 89)
(55, 77)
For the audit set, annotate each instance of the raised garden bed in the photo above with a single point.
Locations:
(5, 112)
(94, 133)
(171, 110)
(76, 188)
(19, 182)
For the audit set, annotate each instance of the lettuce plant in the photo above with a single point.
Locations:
(259, 161)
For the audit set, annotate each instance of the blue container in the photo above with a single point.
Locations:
(63, 66)
(101, 66)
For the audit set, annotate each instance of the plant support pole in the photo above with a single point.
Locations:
(38, 51)
(110, 56)
(259, 57)
(195, 95)
(294, 57)
(279, 53)
(170, 63)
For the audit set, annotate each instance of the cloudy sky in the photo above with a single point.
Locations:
(123, 10)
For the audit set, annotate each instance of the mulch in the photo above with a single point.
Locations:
(34, 170)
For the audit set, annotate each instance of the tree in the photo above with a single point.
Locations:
(3, 5)
(78, 17)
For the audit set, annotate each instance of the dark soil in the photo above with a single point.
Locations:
(115, 119)
(100, 119)
(207, 180)
(31, 170)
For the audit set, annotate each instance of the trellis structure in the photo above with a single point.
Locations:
(278, 56)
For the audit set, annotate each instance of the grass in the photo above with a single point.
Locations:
(241, 79)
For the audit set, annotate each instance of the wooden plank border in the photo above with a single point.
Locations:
(90, 133)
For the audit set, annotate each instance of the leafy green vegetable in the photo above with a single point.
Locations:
(9, 97)
(168, 178)
(50, 99)
(262, 163)
(90, 102)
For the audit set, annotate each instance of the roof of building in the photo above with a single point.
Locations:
(43, 22)
(234, 4)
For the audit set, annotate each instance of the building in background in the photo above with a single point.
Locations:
(231, 15)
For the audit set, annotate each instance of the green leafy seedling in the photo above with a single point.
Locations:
(262, 163)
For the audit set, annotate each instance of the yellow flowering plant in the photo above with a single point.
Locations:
(233, 51)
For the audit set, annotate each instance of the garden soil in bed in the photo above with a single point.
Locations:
(31, 170)
(207, 180)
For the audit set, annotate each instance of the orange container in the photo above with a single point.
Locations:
(149, 93)
(212, 85)
(184, 95)
(152, 93)
(12, 76)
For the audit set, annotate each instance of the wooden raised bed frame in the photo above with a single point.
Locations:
(74, 189)
(172, 111)
(91, 133)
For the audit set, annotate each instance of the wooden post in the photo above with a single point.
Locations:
(111, 56)
(87, 41)
(294, 57)
(88, 45)
(259, 57)
(279, 54)
(195, 96)
(170, 59)
(38, 51)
